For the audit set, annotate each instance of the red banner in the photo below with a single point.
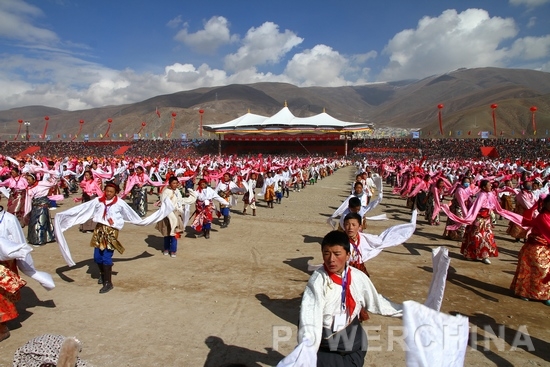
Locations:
(81, 122)
(494, 123)
(440, 122)
(18, 130)
(109, 121)
(494, 107)
(45, 130)
(172, 124)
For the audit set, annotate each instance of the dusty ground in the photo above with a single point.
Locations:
(221, 299)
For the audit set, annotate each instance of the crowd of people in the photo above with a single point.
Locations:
(397, 148)
(337, 294)
(111, 192)
(400, 148)
(194, 189)
(154, 148)
(481, 193)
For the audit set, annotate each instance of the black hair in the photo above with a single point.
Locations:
(483, 183)
(357, 183)
(354, 202)
(113, 185)
(172, 179)
(350, 216)
(542, 207)
(336, 238)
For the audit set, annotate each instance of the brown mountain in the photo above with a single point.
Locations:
(465, 93)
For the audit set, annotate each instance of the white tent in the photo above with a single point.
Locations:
(285, 121)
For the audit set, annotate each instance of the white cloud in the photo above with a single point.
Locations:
(251, 75)
(215, 34)
(529, 3)
(48, 72)
(15, 24)
(262, 45)
(451, 41)
(186, 76)
(321, 66)
(532, 22)
(531, 48)
(174, 23)
(363, 58)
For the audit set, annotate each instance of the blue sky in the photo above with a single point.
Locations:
(79, 54)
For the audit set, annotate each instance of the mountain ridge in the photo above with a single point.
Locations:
(466, 95)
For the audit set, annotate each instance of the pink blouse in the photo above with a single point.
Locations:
(19, 183)
(91, 187)
(140, 180)
(41, 189)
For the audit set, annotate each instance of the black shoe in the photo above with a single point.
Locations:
(106, 288)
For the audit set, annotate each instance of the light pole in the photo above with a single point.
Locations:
(27, 124)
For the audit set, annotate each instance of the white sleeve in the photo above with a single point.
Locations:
(342, 208)
(64, 220)
(374, 301)
(311, 311)
(129, 215)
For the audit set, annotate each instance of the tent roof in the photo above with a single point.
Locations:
(284, 120)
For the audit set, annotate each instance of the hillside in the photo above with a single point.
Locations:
(465, 93)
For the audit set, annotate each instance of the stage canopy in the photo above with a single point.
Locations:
(285, 122)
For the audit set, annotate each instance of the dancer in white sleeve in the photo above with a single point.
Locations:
(332, 300)
(109, 212)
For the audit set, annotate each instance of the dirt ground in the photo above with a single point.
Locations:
(222, 300)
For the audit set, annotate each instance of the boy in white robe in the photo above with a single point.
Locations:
(332, 300)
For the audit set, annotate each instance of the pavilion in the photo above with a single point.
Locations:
(285, 131)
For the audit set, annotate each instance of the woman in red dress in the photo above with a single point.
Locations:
(10, 283)
(532, 278)
(479, 241)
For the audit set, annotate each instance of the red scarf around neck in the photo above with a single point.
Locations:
(33, 185)
(350, 302)
(103, 200)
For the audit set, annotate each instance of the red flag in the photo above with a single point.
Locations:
(494, 107)
(440, 124)
(157, 112)
(533, 111)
